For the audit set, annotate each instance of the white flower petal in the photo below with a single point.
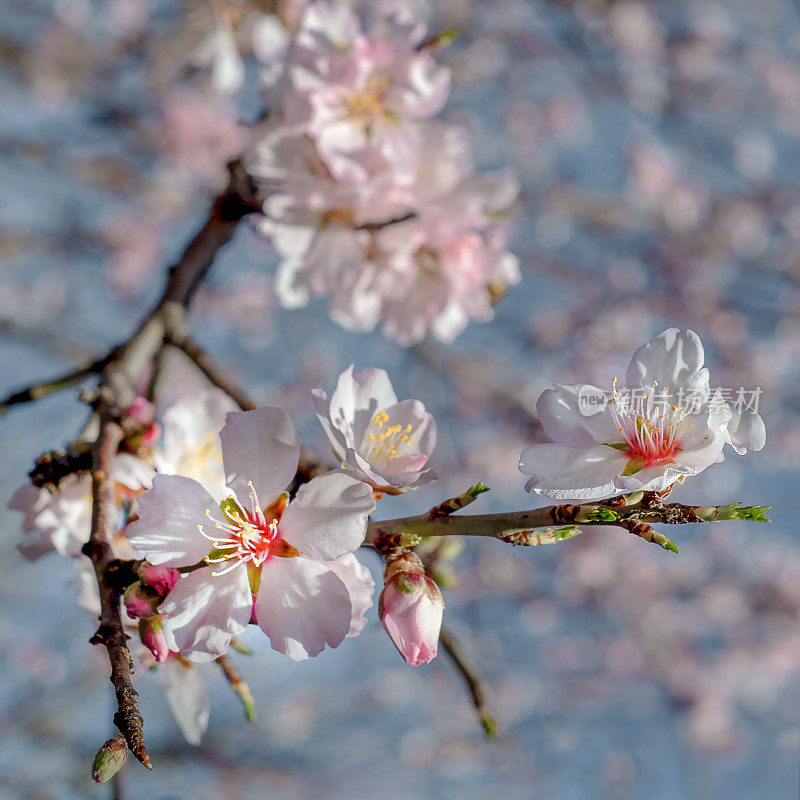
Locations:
(356, 577)
(328, 516)
(653, 479)
(259, 446)
(169, 513)
(563, 472)
(746, 431)
(674, 359)
(575, 416)
(357, 398)
(190, 444)
(302, 606)
(132, 472)
(335, 436)
(187, 698)
(30, 500)
(204, 612)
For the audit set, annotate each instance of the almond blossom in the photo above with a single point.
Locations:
(415, 244)
(351, 88)
(663, 426)
(190, 442)
(258, 557)
(385, 442)
(62, 518)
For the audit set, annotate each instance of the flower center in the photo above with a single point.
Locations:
(649, 424)
(386, 442)
(366, 106)
(245, 536)
(427, 260)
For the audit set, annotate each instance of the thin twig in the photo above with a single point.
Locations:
(205, 363)
(111, 632)
(309, 465)
(472, 678)
(234, 678)
(37, 391)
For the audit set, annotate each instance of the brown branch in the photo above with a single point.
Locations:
(237, 201)
(111, 633)
(377, 226)
(52, 467)
(122, 371)
(472, 678)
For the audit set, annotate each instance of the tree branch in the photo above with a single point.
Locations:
(111, 632)
(633, 513)
(37, 391)
(122, 372)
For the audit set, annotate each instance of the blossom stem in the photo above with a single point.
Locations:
(234, 678)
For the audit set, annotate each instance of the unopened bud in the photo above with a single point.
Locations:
(161, 579)
(706, 513)
(152, 636)
(596, 514)
(411, 608)
(138, 603)
(147, 431)
(109, 760)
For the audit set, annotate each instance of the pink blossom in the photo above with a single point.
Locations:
(190, 443)
(143, 412)
(386, 443)
(263, 553)
(62, 518)
(411, 609)
(434, 270)
(664, 426)
(349, 87)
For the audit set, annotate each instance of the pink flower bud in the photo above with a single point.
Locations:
(162, 579)
(152, 636)
(137, 603)
(411, 608)
(141, 410)
(144, 413)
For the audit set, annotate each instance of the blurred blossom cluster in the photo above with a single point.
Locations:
(369, 201)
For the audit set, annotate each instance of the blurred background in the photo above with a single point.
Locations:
(658, 148)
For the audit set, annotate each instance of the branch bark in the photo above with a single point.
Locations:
(111, 632)
(633, 513)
